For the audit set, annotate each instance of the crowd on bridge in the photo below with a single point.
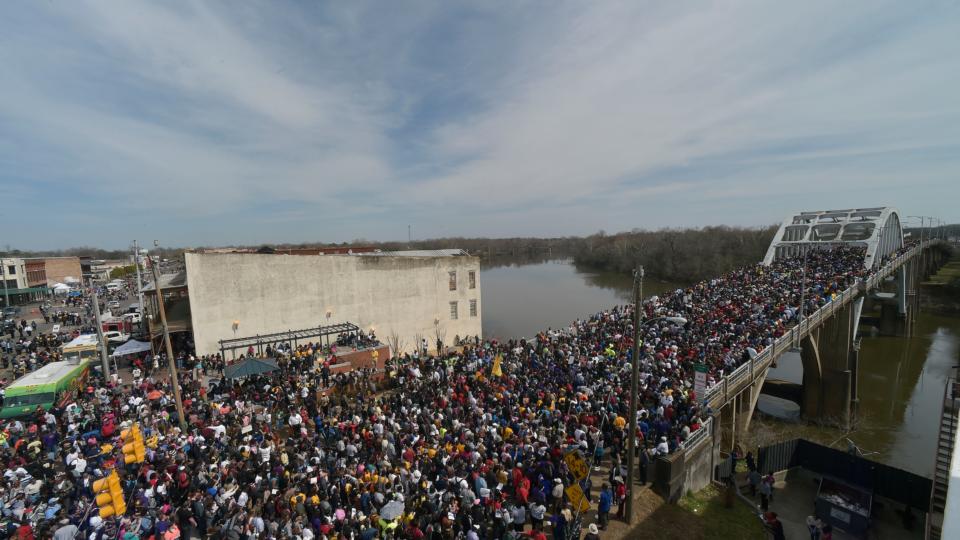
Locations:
(467, 444)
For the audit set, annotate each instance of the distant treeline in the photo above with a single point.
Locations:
(684, 255)
(93, 253)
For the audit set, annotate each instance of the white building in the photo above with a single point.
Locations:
(13, 278)
(414, 293)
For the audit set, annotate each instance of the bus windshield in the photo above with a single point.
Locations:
(29, 399)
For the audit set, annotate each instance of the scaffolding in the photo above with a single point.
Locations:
(295, 336)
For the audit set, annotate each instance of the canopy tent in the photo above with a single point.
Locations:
(61, 288)
(250, 366)
(71, 279)
(131, 347)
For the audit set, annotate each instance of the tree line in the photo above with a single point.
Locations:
(684, 255)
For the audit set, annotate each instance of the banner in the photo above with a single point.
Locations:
(700, 380)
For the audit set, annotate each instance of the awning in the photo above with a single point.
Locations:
(250, 366)
(26, 290)
(131, 347)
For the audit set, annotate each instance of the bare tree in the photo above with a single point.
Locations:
(419, 338)
(396, 343)
(440, 334)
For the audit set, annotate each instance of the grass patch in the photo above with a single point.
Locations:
(698, 516)
(718, 520)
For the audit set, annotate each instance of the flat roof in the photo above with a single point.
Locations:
(45, 375)
(455, 252)
(83, 339)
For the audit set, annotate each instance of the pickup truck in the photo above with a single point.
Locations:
(115, 336)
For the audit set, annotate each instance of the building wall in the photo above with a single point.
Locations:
(36, 273)
(273, 293)
(17, 279)
(59, 268)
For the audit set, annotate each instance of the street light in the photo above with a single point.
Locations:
(635, 374)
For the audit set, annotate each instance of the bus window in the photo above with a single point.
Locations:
(29, 399)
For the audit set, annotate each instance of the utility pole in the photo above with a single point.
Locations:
(635, 374)
(6, 292)
(136, 264)
(104, 361)
(171, 361)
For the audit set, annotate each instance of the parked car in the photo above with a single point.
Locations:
(115, 336)
(11, 311)
(113, 304)
(133, 317)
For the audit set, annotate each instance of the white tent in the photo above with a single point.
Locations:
(60, 288)
(131, 347)
(71, 279)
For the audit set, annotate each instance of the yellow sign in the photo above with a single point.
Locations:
(575, 494)
(577, 465)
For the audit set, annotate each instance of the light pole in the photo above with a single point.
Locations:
(635, 374)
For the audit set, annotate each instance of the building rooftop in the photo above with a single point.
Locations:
(361, 250)
(419, 253)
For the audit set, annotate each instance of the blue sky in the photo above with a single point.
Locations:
(215, 123)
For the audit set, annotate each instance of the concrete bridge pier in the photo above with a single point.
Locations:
(830, 358)
(735, 416)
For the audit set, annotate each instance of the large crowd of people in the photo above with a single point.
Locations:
(465, 444)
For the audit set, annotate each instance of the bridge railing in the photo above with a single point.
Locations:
(736, 381)
(698, 436)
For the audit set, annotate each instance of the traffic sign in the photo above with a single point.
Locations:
(575, 494)
(577, 465)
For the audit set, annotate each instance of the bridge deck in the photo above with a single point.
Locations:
(737, 381)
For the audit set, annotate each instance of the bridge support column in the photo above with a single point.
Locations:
(748, 404)
(830, 362)
(893, 322)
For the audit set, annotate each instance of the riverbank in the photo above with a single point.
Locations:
(941, 293)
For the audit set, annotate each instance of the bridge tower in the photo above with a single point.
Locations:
(830, 353)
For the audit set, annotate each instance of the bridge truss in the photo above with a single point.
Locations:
(877, 229)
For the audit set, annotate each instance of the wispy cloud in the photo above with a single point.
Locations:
(217, 122)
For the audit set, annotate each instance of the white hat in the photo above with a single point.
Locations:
(593, 529)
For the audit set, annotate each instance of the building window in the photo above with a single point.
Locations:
(453, 281)
(12, 270)
(473, 308)
(473, 279)
(453, 311)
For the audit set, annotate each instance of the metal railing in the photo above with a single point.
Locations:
(698, 436)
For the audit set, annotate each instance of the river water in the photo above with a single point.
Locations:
(901, 380)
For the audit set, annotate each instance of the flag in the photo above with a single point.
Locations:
(496, 371)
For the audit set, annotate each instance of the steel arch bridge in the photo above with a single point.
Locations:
(877, 229)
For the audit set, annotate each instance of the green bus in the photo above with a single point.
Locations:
(50, 385)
